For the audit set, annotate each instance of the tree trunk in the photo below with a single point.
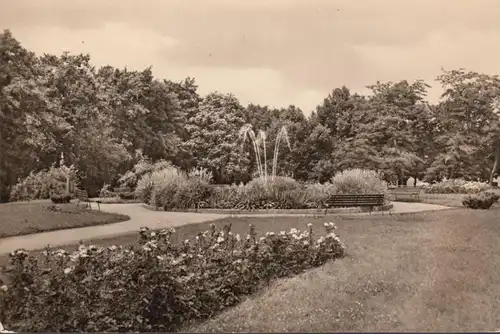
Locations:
(497, 161)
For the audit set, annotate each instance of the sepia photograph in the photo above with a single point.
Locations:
(249, 166)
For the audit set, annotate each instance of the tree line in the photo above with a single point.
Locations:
(105, 119)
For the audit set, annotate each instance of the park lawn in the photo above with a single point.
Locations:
(453, 200)
(34, 217)
(421, 272)
(434, 271)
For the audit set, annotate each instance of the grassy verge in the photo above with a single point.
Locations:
(433, 271)
(34, 217)
(424, 272)
(454, 200)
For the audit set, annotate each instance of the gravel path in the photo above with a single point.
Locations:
(139, 217)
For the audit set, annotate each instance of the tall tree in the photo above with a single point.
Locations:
(213, 137)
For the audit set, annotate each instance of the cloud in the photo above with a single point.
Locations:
(276, 52)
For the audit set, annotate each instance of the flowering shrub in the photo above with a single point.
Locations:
(358, 181)
(141, 168)
(483, 200)
(456, 186)
(160, 285)
(41, 185)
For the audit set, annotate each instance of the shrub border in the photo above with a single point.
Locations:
(384, 207)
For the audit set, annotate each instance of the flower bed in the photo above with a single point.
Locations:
(385, 207)
(456, 186)
(159, 285)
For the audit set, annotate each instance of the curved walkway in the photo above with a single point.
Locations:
(142, 217)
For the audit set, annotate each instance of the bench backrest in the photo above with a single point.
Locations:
(375, 199)
(407, 189)
(82, 195)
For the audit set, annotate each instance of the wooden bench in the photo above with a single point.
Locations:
(83, 196)
(412, 192)
(362, 200)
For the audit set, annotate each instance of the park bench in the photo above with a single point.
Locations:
(412, 192)
(83, 196)
(361, 200)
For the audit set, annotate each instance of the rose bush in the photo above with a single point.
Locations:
(483, 200)
(456, 186)
(158, 285)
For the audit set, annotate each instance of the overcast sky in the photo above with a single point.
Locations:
(275, 52)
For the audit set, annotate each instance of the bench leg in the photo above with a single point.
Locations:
(99, 206)
(77, 203)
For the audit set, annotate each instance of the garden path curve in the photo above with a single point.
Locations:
(140, 216)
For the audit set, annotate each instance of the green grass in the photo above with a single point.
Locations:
(22, 218)
(434, 271)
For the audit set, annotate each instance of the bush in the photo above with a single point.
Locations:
(483, 200)
(456, 186)
(318, 193)
(60, 199)
(141, 168)
(358, 181)
(40, 185)
(127, 195)
(106, 192)
(277, 193)
(160, 285)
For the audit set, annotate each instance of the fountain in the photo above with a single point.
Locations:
(246, 132)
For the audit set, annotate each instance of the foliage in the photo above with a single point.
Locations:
(40, 185)
(127, 195)
(60, 199)
(163, 284)
(358, 181)
(213, 136)
(142, 167)
(106, 191)
(483, 200)
(456, 186)
(107, 120)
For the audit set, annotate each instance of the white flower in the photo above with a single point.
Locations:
(326, 224)
(309, 225)
(186, 241)
(4, 288)
(197, 238)
(282, 233)
(112, 248)
(220, 240)
(269, 234)
(306, 242)
(238, 237)
(321, 240)
(67, 270)
(161, 258)
(262, 239)
(248, 236)
(153, 234)
(146, 248)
